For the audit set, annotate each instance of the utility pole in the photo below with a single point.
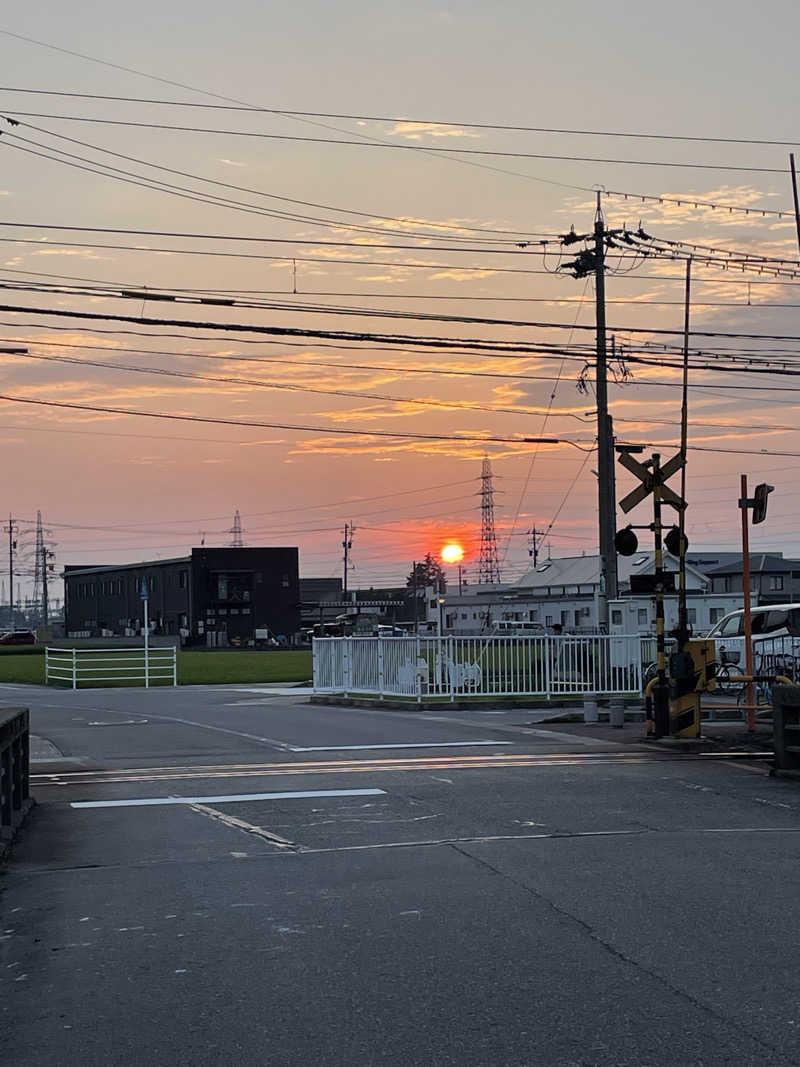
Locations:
(606, 494)
(683, 614)
(794, 193)
(347, 545)
(535, 538)
(11, 530)
(592, 260)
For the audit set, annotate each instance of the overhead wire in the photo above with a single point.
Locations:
(406, 119)
(427, 149)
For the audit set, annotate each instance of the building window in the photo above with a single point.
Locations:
(692, 613)
(642, 618)
(182, 577)
(548, 620)
(616, 617)
(245, 611)
(463, 614)
(714, 614)
(235, 588)
(776, 582)
(285, 581)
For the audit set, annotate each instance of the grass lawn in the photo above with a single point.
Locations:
(194, 668)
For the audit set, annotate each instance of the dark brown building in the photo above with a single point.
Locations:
(217, 596)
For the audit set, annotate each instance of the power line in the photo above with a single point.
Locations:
(638, 276)
(263, 240)
(294, 387)
(403, 119)
(427, 149)
(454, 231)
(506, 348)
(327, 431)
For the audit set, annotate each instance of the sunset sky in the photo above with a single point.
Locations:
(339, 235)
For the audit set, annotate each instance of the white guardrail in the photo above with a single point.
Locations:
(450, 667)
(154, 666)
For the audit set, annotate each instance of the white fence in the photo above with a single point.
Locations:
(154, 666)
(450, 667)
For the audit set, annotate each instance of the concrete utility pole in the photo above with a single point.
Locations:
(11, 530)
(593, 261)
(347, 545)
(534, 540)
(606, 493)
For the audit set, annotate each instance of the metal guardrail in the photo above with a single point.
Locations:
(14, 771)
(111, 665)
(473, 667)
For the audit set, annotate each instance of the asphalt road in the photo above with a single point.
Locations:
(454, 889)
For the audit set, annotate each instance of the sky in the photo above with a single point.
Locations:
(375, 236)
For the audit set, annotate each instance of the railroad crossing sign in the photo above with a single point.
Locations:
(649, 482)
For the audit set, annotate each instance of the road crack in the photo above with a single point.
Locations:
(622, 957)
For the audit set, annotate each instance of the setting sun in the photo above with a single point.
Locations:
(452, 553)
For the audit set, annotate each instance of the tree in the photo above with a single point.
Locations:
(427, 573)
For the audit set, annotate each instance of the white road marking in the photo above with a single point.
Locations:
(236, 798)
(423, 744)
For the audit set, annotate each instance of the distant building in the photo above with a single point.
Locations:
(564, 593)
(773, 579)
(215, 596)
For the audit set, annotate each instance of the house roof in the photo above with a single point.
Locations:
(760, 563)
(585, 570)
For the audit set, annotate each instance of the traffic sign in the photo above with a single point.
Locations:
(145, 592)
(647, 478)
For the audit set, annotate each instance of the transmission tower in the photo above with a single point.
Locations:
(489, 563)
(42, 569)
(236, 531)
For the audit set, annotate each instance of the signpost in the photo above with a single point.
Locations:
(653, 476)
(758, 503)
(145, 599)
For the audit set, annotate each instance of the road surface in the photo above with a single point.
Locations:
(219, 876)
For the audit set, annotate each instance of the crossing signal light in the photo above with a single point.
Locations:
(760, 502)
(626, 542)
(673, 541)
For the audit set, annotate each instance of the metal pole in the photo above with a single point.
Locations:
(11, 573)
(45, 602)
(146, 645)
(605, 466)
(794, 193)
(661, 693)
(748, 628)
(683, 615)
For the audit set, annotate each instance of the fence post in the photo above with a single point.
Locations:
(380, 667)
(417, 672)
(174, 665)
(74, 669)
(451, 667)
(314, 663)
(146, 666)
(346, 673)
(547, 656)
(46, 665)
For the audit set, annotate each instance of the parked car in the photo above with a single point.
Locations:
(770, 620)
(18, 637)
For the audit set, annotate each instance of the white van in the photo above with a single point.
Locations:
(769, 620)
(776, 636)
